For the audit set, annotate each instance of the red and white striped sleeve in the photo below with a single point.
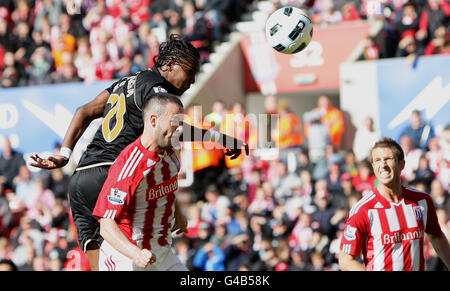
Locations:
(357, 228)
(123, 178)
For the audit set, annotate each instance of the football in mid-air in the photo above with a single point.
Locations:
(289, 30)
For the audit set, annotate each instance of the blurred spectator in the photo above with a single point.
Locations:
(220, 236)
(317, 135)
(232, 182)
(287, 134)
(215, 204)
(56, 262)
(349, 12)
(371, 9)
(270, 259)
(444, 142)
(237, 252)
(6, 215)
(50, 9)
(412, 156)
(10, 163)
(304, 162)
(284, 182)
(263, 204)
(60, 217)
(10, 78)
(7, 265)
(104, 66)
(42, 201)
(434, 154)
(434, 15)
(209, 258)
(258, 231)
(440, 196)
(214, 11)
(235, 124)
(194, 220)
(419, 131)
(195, 26)
(332, 118)
(329, 14)
(29, 243)
(84, 61)
(423, 174)
(365, 179)
(299, 261)
(217, 114)
(335, 171)
(407, 47)
(371, 49)
(66, 74)
(348, 189)
(6, 35)
(365, 138)
(280, 224)
(321, 218)
(22, 42)
(25, 185)
(301, 235)
(408, 19)
(40, 67)
(440, 43)
(58, 183)
(23, 12)
(318, 262)
(350, 163)
(184, 252)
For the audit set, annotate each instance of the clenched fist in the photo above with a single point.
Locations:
(143, 258)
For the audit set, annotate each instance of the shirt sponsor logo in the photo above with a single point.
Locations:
(418, 211)
(163, 189)
(117, 197)
(350, 233)
(399, 237)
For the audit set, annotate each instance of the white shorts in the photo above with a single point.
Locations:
(111, 259)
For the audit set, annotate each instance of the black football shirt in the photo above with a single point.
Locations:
(122, 118)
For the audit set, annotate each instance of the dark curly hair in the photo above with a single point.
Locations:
(179, 51)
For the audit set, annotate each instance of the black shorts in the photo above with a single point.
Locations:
(84, 188)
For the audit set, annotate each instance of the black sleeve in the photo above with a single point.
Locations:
(146, 85)
(110, 89)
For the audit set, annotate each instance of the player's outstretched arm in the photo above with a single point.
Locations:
(349, 263)
(442, 247)
(83, 116)
(232, 145)
(111, 232)
(180, 225)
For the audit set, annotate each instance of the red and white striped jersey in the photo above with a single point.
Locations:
(390, 235)
(139, 194)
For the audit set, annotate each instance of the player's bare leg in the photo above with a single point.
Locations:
(92, 252)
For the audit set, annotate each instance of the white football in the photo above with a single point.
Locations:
(289, 30)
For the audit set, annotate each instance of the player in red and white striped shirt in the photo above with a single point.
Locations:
(388, 225)
(136, 206)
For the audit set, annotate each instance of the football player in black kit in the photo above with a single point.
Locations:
(120, 106)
